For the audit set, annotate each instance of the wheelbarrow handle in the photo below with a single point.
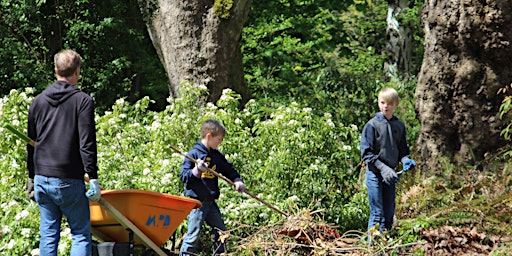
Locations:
(230, 182)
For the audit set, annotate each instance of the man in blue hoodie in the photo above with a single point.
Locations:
(202, 185)
(383, 145)
(61, 122)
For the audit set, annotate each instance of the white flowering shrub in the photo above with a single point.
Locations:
(290, 156)
(296, 158)
(18, 215)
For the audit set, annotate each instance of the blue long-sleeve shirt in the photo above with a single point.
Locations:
(206, 187)
(384, 140)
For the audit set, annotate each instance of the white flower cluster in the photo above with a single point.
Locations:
(26, 232)
(155, 126)
(294, 198)
(210, 106)
(120, 101)
(14, 164)
(10, 245)
(21, 215)
(6, 230)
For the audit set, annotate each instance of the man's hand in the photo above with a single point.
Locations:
(388, 174)
(30, 189)
(408, 163)
(94, 192)
(199, 168)
(239, 185)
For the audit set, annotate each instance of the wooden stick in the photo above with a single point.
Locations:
(32, 143)
(21, 135)
(230, 182)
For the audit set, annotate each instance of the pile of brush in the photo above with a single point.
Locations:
(300, 234)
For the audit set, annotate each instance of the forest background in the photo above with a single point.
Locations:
(313, 69)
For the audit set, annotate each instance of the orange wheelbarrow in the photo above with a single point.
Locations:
(137, 219)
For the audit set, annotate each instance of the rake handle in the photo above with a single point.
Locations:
(230, 182)
(20, 135)
(30, 141)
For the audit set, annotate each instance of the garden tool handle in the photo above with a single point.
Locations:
(30, 141)
(230, 182)
(21, 135)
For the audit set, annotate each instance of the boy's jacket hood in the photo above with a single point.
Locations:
(380, 117)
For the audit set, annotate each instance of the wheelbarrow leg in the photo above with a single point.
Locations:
(126, 223)
(173, 240)
(131, 242)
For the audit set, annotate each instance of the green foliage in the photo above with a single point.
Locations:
(284, 42)
(22, 47)
(506, 116)
(113, 69)
(308, 154)
(409, 230)
(354, 214)
(326, 55)
(118, 55)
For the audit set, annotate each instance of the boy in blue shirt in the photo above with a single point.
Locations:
(203, 185)
(383, 145)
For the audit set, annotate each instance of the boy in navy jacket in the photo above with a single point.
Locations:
(383, 145)
(203, 185)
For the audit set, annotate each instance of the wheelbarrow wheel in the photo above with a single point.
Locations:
(150, 252)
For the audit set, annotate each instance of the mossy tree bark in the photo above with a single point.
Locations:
(468, 55)
(198, 42)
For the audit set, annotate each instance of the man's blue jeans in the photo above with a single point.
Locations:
(382, 200)
(210, 213)
(57, 197)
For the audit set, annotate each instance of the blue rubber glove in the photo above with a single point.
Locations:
(388, 174)
(94, 192)
(408, 163)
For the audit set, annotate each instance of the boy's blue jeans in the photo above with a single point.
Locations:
(210, 213)
(382, 200)
(57, 197)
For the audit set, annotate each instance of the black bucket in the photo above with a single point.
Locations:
(110, 249)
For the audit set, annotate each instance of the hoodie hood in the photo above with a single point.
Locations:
(380, 116)
(201, 147)
(59, 92)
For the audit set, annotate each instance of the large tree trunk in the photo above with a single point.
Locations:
(197, 46)
(399, 38)
(467, 58)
